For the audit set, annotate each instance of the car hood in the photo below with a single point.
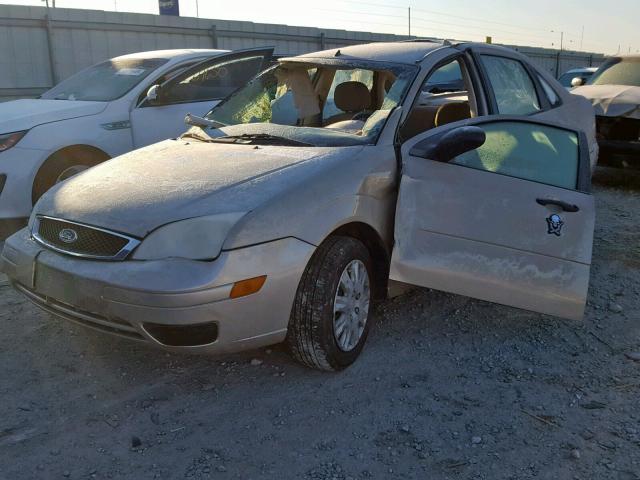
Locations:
(24, 114)
(178, 179)
(612, 100)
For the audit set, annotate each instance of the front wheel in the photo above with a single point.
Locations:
(331, 314)
(61, 166)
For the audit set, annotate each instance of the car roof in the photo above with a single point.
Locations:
(407, 51)
(181, 53)
(396, 52)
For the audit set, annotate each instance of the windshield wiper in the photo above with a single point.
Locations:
(246, 139)
(263, 139)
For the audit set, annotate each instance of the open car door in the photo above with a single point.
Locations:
(195, 90)
(497, 208)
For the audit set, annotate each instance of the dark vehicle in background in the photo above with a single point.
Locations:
(583, 75)
(614, 91)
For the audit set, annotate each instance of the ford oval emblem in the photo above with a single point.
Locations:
(68, 235)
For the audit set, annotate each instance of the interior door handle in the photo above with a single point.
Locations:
(566, 207)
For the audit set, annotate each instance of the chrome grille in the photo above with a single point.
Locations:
(82, 240)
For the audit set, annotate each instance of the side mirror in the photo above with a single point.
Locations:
(153, 93)
(451, 144)
(577, 82)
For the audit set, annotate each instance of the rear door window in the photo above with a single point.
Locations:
(512, 86)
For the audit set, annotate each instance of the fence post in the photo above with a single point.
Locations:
(322, 41)
(52, 60)
(213, 33)
(591, 60)
(558, 65)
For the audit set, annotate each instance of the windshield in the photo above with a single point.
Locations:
(105, 81)
(320, 105)
(618, 71)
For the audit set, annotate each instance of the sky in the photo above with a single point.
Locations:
(609, 27)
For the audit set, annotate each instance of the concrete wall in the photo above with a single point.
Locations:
(555, 63)
(36, 52)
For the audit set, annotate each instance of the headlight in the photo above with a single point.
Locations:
(8, 140)
(199, 238)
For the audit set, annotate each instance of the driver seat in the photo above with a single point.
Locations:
(350, 97)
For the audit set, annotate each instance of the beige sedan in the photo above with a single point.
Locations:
(294, 205)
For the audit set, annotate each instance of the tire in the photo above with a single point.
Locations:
(61, 166)
(313, 337)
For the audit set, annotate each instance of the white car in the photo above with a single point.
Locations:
(107, 110)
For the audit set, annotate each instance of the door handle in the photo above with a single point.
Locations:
(566, 207)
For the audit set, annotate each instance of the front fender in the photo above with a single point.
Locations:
(346, 189)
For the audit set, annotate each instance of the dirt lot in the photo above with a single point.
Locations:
(447, 387)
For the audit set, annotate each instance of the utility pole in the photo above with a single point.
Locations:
(559, 53)
(409, 9)
(561, 39)
(49, 33)
(197, 10)
(582, 38)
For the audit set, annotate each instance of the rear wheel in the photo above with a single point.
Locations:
(63, 165)
(331, 315)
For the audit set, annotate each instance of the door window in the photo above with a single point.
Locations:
(529, 151)
(447, 78)
(444, 98)
(212, 82)
(512, 86)
(177, 70)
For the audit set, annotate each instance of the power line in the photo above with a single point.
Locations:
(432, 12)
(485, 29)
(482, 28)
(424, 22)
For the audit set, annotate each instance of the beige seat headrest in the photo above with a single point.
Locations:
(352, 97)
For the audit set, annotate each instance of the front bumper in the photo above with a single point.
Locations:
(125, 298)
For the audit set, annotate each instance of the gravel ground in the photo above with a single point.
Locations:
(447, 388)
